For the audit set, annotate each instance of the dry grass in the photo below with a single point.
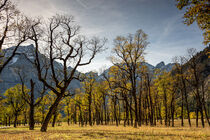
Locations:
(105, 132)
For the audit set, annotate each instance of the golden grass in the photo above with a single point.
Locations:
(101, 132)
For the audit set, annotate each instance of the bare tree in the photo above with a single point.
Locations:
(29, 97)
(63, 44)
(13, 31)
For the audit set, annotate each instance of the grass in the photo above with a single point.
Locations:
(101, 132)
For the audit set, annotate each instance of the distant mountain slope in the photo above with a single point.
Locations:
(202, 59)
(9, 76)
(161, 66)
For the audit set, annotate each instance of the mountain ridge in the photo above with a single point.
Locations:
(9, 76)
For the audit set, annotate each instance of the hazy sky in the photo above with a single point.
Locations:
(160, 19)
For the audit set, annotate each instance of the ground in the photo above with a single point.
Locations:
(101, 132)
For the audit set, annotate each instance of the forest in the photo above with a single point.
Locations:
(128, 94)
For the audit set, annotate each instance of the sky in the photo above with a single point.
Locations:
(159, 19)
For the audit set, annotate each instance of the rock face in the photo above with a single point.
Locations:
(21, 63)
(160, 65)
(151, 68)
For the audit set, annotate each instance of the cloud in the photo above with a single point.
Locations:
(45, 8)
(160, 19)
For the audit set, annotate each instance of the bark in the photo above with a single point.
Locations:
(75, 114)
(9, 120)
(172, 111)
(15, 121)
(105, 117)
(140, 119)
(160, 115)
(186, 101)
(182, 110)
(115, 110)
(31, 118)
(89, 108)
(127, 111)
(150, 100)
(68, 115)
(200, 107)
(31, 113)
(131, 114)
(80, 116)
(196, 116)
(166, 108)
(50, 113)
(136, 108)
(5, 120)
(54, 118)
(204, 104)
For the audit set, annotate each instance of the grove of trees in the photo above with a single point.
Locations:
(129, 92)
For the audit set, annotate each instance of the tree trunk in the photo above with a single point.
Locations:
(68, 115)
(115, 111)
(5, 120)
(15, 121)
(172, 111)
(89, 108)
(31, 117)
(136, 109)
(127, 111)
(182, 111)
(50, 113)
(54, 118)
(186, 101)
(200, 107)
(32, 106)
(160, 115)
(140, 120)
(166, 109)
(75, 114)
(204, 104)
(80, 116)
(150, 100)
(131, 114)
(196, 116)
(9, 120)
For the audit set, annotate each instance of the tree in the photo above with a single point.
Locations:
(14, 100)
(146, 78)
(88, 86)
(197, 10)
(29, 96)
(129, 53)
(42, 108)
(60, 36)
(68, 102)
(13, 31)
(30, 100)
(194, 78)
(181, 77)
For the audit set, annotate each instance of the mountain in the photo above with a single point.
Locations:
(202, 59)
(151, 68)
(21, 62)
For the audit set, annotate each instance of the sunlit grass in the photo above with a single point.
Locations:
(105, 132)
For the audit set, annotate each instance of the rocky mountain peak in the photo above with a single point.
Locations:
(160, 65)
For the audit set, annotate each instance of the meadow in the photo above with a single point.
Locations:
(73, 132)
